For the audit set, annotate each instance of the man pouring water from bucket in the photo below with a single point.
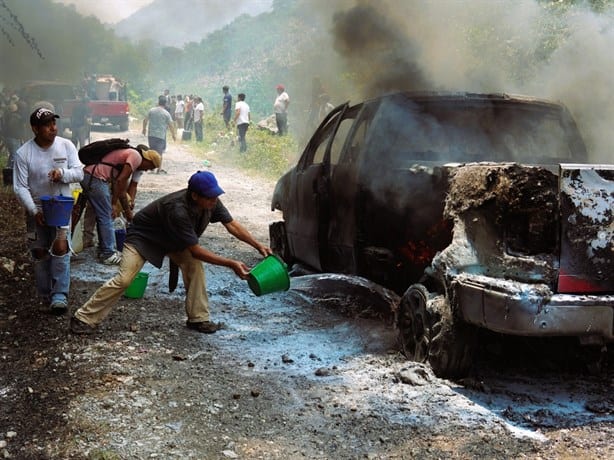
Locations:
(171, 226)
(45, 166)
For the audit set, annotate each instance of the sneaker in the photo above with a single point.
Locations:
(58, 306)
(113, 259)
(206, 327)
(79, 327)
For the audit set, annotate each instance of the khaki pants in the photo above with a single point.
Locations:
(96, 309)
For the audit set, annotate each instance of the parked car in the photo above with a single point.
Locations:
(480, 209)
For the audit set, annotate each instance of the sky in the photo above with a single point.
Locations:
(107, 11)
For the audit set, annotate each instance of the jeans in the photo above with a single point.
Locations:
(99, 197)
(51, 271)
(96, 309)
(282, 123)
(157, 144)
(198, 131)
(242, 129)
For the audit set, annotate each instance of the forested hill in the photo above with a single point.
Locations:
(251, 55)
(182, 21)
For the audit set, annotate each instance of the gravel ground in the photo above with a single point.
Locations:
(313, 372)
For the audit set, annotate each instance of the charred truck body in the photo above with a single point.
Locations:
(480, 209)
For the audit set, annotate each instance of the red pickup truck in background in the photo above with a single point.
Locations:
(107, 107)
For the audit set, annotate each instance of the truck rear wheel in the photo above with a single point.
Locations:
(429, 333)
(124, 125)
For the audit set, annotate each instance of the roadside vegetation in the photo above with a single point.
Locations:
(268, 155)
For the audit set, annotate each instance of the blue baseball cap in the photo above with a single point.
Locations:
(205, 184)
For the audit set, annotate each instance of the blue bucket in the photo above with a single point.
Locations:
(57, 210)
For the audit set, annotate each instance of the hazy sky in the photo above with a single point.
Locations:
(109, 11)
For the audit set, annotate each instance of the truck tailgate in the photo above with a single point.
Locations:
(108, 108)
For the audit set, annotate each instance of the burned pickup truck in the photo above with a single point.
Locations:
(480, 209)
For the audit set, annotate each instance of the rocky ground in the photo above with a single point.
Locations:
(313, 372)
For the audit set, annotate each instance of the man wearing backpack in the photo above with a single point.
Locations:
(115, 169)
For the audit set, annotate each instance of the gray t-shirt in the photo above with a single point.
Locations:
(159, 119)
(171, 223)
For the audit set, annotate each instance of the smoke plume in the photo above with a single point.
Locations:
(523, 47)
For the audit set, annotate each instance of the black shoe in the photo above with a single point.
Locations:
(58, 307)
(79, 327)
(206, 327)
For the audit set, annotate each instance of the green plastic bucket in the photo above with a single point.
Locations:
(137, 287)
(270, 275)
(57, 210)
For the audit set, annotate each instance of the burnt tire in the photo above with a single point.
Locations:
(414, 324)
(279, 241)
(429, 333)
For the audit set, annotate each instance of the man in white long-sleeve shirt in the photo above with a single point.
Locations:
(47, 165)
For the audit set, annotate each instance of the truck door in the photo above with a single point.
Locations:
(345, 153)
(308, 229)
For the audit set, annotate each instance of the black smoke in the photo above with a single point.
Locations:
(377, 50)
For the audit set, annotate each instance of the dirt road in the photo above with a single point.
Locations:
(313, 372)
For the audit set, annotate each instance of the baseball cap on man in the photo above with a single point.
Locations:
(205, 184)
(281, 87)
(42, 116)
(152, 156)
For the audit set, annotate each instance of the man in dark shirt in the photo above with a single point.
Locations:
(80, 122)
(227, 106)
(171, 226)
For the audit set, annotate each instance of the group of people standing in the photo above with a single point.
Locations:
(187, 113)
(170, 226)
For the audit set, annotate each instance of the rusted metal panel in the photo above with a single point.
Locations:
(587, 228)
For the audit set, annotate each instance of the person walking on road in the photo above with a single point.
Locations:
(172, 226)
(226, 106)
(242, 120)
(47, 165)
(159, 122)
(80, 122)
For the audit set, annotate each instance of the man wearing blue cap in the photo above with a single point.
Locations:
(171, 226)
